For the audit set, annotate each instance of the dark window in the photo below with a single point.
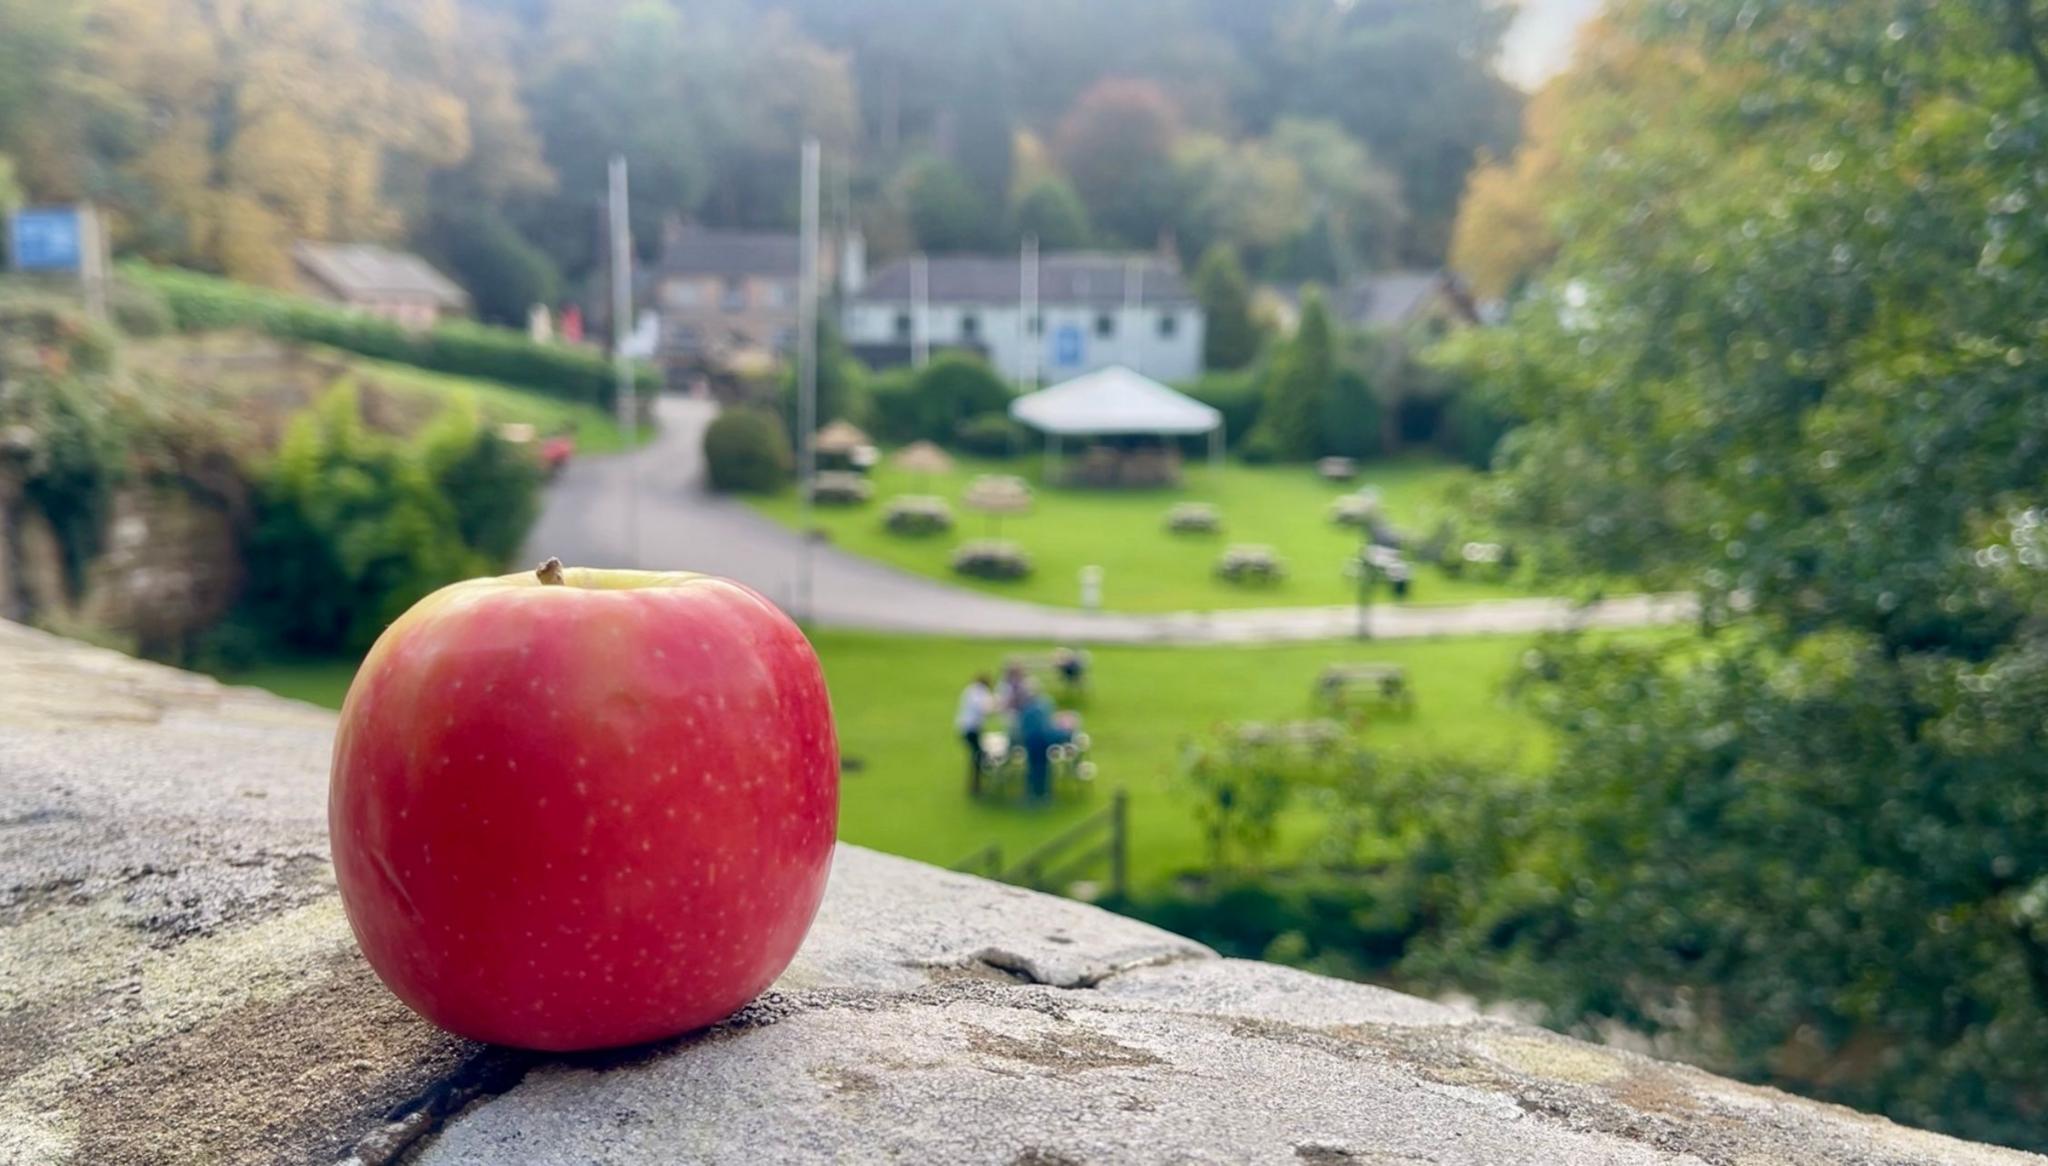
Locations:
(735, 297)
(1037, 324)
(1169, 324)
(903, 325)
(970, 326)
(1105, 325)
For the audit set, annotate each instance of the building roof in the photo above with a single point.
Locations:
(1087, 278)
(694, 250)
(361, 271)
(1113, 400)
(1390, 299)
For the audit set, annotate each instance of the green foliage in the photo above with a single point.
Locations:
(1299, 384)
(492, 484)
(138, 311)
(991, 435)
(842, 383)
(350, 531)
(1116, 143)
(1789, 355)
(746, 451)
(946, 212)
(1237, 394)
(934, 402)
(1053, 213)
(1351, 417)
(54, 393)
(202, 303)
(505, 274)
(1230, 337)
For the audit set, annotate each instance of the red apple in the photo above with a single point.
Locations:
(578, 809)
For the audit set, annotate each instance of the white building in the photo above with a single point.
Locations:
(1092, 311)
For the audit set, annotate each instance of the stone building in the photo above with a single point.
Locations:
(378, 281)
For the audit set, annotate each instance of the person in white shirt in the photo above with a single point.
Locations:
(977, 701)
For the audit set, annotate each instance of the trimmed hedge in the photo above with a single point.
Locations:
(203, 303)
(745, 451)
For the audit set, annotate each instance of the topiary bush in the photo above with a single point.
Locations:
(918, 515)
(746, 452)
(991, 558)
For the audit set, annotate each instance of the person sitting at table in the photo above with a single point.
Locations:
(977, 701)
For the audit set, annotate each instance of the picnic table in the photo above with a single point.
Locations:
(1352, 687)
(1002, 767)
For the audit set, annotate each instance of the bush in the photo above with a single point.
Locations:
(1251, 566)
(504, 274)
(1259, 448)
(745, 451)
(918, 515)
(493, 484)
(992, 559)
(350, 531)
(1193, 518)
(201, 303)
(932, 403)
(991, 435)
(1237, 395)
(840, 488)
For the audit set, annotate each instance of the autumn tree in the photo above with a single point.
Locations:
(1052, 212)
(1116, 143)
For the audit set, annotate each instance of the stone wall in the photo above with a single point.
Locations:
(178, 985)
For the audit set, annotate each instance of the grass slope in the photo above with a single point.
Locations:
(1148, 570)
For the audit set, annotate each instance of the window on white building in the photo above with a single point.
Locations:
(1105, 325)
(903, 325)
(1169, 325)
(970, 326)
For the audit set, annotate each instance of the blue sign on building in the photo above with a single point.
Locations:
(46, 239)
(1066, 346)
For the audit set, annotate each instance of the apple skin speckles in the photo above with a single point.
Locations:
(683, 723)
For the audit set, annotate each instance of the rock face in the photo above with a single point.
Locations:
(178, 985)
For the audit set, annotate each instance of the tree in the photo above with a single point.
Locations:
(1351, 417)
(1052, 212)
(1116, 143)
(505, 274)
(269, 120)
(1230, 337)
(1788, 355)
(842, 383)
(946, 212)
(1360, 202)
(1298, 387)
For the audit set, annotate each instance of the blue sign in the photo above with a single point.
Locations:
(1066, 346)
(47, 239)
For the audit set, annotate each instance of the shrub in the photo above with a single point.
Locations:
(1237, 395)
(992, 559)
(840, 488)
(745, 451)
(504, 274)
(1194, 518)
(493, 484)
(350, 531)
(991, 435)
(892, 406)
(932, 403)
(1250, 565)
(1259, 448)
(918, 515)
(200, 303)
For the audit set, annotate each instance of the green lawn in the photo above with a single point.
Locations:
(1147, 569)
(905, 786)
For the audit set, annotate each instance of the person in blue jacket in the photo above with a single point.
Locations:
(1038, 730)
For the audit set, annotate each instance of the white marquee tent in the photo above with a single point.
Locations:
(1116, 401)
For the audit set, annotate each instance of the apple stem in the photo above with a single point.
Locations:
(551, 572)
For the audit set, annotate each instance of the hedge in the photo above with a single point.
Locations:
(204, 303)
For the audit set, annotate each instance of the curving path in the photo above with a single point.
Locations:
(682, 526)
